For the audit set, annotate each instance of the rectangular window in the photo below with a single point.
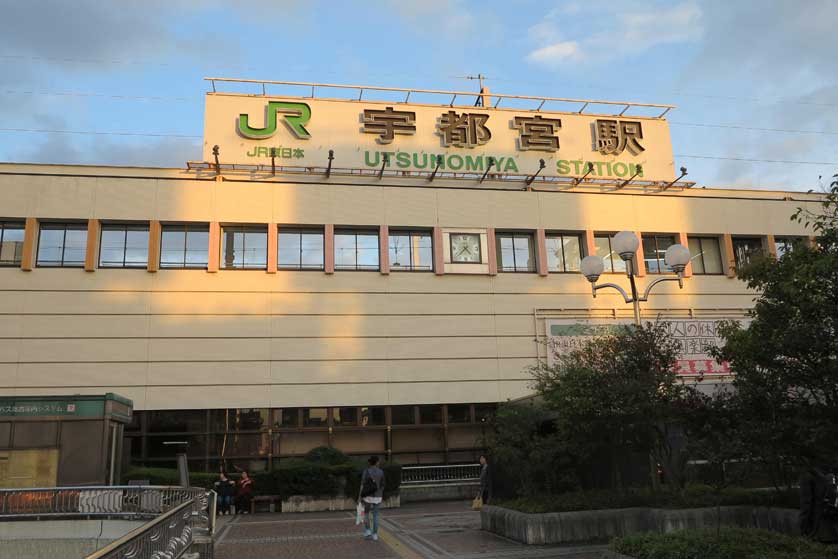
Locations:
(459, 413)
(515, 252)
(123, 246)
(345, 416)
(402, 415)
(300, 249)
(744, 248)
(11, 243)
(705, 255)
(564, 252)
(356, 250)
(611, 260)
(654, 250)
(286, 417)
(184, 246)
(62, 244)
(244, 248)
(315, 417)
(411, 250)
(787, 244)
(484, 412)
(430, 415)
(373, 415)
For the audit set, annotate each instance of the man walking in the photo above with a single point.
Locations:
(372, 492)
(819, 504)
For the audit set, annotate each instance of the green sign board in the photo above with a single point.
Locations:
(60, 406)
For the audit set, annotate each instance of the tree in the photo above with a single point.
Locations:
(620, 393)
(786, 360)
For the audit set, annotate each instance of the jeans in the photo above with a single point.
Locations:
(371, 511)
(224, 503)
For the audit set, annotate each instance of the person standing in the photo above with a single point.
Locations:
(372, 493)
(485, 479)
(224, 488)
(819, 504)
(245, 493)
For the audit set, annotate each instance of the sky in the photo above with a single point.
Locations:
(755, 81)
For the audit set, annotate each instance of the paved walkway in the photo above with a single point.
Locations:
(427, 531)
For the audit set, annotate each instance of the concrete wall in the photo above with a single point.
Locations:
(439, 492)
(195, 339)
(51, 539)
(600, 525)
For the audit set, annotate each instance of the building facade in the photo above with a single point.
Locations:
(257, 312)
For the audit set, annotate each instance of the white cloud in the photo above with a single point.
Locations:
(556, 53)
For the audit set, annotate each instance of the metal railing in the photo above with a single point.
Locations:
(108, 501)
(463, 473)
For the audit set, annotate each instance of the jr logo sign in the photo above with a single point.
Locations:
(296, 115)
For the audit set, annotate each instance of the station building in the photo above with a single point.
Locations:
(374, 275)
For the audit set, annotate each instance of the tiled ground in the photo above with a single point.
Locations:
(429, 531)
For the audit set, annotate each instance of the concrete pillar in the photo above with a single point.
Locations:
(329, 249)
(92, 249)
(541, 251)
(30, 240)
(155, 234)
(590, 245)
(272, 248)
(770, 246)
(439, 252)
(384, 249)
(728, 259)
(684, 240)
(214, 247)
(492, 250)
(640, 267)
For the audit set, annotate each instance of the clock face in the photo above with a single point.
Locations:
(465, 248)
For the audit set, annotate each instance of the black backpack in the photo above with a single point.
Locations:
(370, 487)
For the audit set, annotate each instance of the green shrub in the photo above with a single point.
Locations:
(693, 496)
(732, 543)
(326, 455)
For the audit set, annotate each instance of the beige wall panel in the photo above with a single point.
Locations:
(457, 208)
(511, 210)
(440, 347)
(137, 394)
(240, 202)
(230, 395)
(327, 348)
(11, 302)
(209, 303)
(76, 350)
(566, 212)
(326, 395)
(431, 283)
(113, 302)
(440, 326)
(289, 372)
(62, 197)
(301, 204)
(81, 326)
(410, 207)
(184, 201)
(364, 303)
(522, 346)
(209, 373)
(513, 325)
(517, 368)
(72, 375)
(512, 390)
(214, 349)
(451, 392)
(10, 350)
(209, 326)
(121, 199)
(8, 375)
(18, 200)
(443, 370)
(356, 206)
(11, 326)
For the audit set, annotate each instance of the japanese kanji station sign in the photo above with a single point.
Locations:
(412, 137)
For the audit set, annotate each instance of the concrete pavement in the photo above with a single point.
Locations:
(420, 530)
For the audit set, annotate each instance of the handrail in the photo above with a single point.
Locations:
(624, 105)
(448, 474)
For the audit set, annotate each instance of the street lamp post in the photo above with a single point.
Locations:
(626, 244)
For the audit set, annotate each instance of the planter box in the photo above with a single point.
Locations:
(599, 525)
(305, 503)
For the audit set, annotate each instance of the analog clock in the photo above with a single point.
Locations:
(465, 248)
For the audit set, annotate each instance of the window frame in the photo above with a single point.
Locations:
(188, 227)
(125, 228)
(355, 233)
(561, 236)
(661, 263)
(17, 226)
(760, 248)
(789, 240)
(245, 229)
(410, 233)
(300, 230)
(63, 226)
(701, 239)
(530, 237)
(609, 237)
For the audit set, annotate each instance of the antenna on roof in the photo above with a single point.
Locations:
(482, 99)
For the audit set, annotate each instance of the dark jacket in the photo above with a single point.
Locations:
(225, 488)
(813, 522)
(377, 474)
(485, 481)
(245, 487)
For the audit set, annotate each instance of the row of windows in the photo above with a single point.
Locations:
(245, 247)
(262, 419)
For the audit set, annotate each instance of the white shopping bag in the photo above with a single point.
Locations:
(359, 513)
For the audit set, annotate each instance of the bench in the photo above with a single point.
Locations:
(271, 500)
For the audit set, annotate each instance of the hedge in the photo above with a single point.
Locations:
(731, 543)
(291, 477)
(694, 496)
